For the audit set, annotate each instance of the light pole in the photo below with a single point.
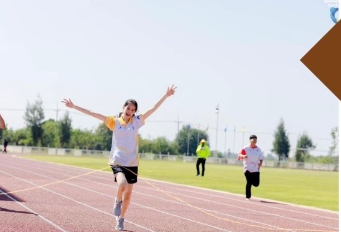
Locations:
(216, 135)
(243, 137)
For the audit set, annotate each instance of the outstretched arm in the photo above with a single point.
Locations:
(2, 123)
(170, 92)
(70, 104)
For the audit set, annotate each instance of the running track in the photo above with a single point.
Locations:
(39, 196)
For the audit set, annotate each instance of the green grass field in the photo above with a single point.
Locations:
(310, 188)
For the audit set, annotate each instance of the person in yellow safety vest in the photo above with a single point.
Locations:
(203, 151)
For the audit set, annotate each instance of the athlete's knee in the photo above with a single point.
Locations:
(122, 182)
(121, 178)
(127, 193)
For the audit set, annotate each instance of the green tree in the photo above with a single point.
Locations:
(335, 140)
(34, 118)
(1, 134)
(7, 133)
(82, 139)
(304, 144)
(324, 159)
(50, 133)
(65, 129)
(163, 146)
(20, 137)
(103, 137)
(281, 144)
(145, 145)
(160, 145)
(23, 137)
(188, 138)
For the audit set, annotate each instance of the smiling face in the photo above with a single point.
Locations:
(129, 109)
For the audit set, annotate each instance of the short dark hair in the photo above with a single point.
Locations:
(253, 137)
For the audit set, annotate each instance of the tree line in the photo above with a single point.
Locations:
(60, 134)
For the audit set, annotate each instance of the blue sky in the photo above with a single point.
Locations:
(243, 55)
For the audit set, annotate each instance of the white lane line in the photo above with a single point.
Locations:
(228, 205)
(34, 212)
(74, 169)
(177, 186)
(81, 203)
(232, 216)
(207, 200)
(87, 189)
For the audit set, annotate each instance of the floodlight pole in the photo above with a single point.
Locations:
(243, 137)
(216, 135)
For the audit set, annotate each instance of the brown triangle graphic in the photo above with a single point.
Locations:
(324, 60)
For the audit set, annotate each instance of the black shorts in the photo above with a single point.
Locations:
(129, 172)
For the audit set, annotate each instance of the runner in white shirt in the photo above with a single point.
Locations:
(252, 157)
(124, 149)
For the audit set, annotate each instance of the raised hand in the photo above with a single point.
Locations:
(171, 90)
(68, 103)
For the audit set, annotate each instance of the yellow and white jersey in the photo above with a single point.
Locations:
(125, 141)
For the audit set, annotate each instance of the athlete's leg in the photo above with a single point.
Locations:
(126, 199)
(248, 184)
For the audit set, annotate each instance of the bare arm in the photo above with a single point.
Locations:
(241, 156)
(70, 104)
(2, 123)
(170, 92)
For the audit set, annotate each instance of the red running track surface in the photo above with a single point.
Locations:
(40, 196)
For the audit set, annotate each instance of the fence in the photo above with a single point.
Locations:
(179, 158)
